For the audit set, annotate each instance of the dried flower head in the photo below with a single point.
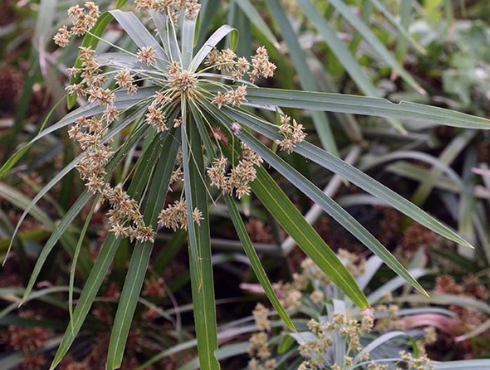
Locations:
(147, 55)
(260, 314)
(292, 134)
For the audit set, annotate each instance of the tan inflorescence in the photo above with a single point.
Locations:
(91, 80)
(292, 134)
(240, 176)
(311, 283)
(258, 348)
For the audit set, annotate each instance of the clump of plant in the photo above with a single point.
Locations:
(194, 115)
(335, 335)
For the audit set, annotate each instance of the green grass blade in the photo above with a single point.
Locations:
(253, 15)
(78, 248)
(20, 200)
(306, 77)
(363, 105)
(403, 35)
(167, 36)
(353, 175)
(139, 34)
(123, 101)
(405, 20)
(209, 9)
(375, 43)
(331, 207)
(101, 266)
(188, 31)
(199, 248)
(210, 43)
(255, 261)
(288, 216)
(10, 163)
(67, 219)
(58, 232)
(448, 155)
(123, 149)
(92, 286)
(127, 303)
(395, 284)
(338, 48)
(166, 150)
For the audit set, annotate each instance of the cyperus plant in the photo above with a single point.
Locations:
(194, 114)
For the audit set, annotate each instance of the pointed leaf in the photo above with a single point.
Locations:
(199, 248)
(352, 174)
(364, 105)
(255, 262)
(287, 215)
(155, 170)
(330, 206)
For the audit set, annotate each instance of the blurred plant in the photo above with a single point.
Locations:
(340, 336)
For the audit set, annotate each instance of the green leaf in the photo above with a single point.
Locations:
(84, 303)
(462, 365)
(338, 48)
(255, 261)
(364, 105)
(403, 33)
(330, 206)
(187, 35)
(253, 15)
(209, 9)
(139, 34)
(306, 77)
(157, 174)
(353, 175)
(167, 35)
(101, 266)
(210, 43)
(67, 219)
(394, 284)
(380, 341)
(58, 232)
(287, 215)
(18, 199)
(123, 101)
(199, 247)
(375, 43)
(10, 163)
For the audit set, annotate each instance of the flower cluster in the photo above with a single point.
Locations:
(419, 363)
(147, 55)
(240, 176)
(175, 216)
(171, 7)
(261, 65)
(125, 217)
(125, 80)
(258, 348)
(314, 350)
(234, 97)
(174, 84)
(292, 134)
(83, 21)
(228, 62)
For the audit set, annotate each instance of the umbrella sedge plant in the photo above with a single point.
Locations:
(195, 113)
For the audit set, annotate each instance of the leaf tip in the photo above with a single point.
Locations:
(423, 291)
(467, 244)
